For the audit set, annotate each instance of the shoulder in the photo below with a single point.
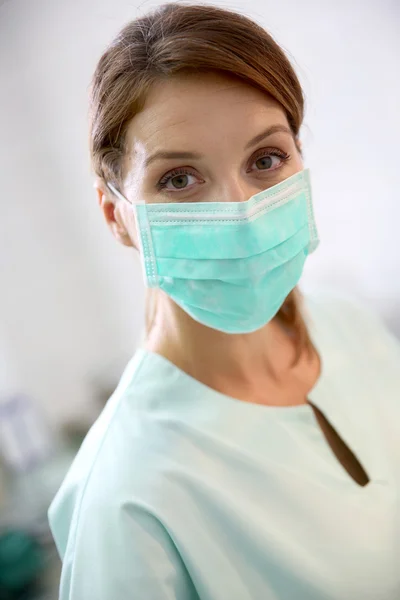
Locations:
(117, 463)
(107, 516)
(116, 547)
(113, 544)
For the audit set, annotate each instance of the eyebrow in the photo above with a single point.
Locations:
(165, 155)
(269, 131)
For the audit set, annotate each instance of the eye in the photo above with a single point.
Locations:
(268, 160)
(177, 180)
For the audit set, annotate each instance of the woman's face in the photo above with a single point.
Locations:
(204, 138)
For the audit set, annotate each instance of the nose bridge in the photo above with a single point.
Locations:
(234, 188)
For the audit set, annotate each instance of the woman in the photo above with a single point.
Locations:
(251, 449)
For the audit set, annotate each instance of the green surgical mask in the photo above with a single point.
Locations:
(229, 265)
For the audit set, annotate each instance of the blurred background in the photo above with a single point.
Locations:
(72, 300)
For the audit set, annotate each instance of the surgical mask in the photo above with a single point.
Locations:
(229, 265)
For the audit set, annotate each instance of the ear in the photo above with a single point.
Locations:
(299, 145)
(110, 207)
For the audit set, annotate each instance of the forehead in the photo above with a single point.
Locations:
(192, 108)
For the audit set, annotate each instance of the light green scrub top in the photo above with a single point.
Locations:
(180, 492)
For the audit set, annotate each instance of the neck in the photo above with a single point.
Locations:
(239, 365)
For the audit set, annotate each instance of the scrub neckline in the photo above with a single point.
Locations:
(289, 410)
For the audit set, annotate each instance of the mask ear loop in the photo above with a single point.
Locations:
(146, 250)
(117, 193)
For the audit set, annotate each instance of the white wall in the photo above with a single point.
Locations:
(71, 301)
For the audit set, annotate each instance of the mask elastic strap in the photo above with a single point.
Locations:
(117, 193)
(146, 249)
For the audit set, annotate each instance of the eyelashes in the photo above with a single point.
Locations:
(270, 152)
(187, 172)
(179, 172)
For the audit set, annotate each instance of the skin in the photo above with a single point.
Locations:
(214, 117)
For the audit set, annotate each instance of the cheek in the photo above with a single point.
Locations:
(133, 187)
(296, 163)
(132, 230)
(298, 157)
(125, 218)
(133, 179)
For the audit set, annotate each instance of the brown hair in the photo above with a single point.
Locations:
(177, 39)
